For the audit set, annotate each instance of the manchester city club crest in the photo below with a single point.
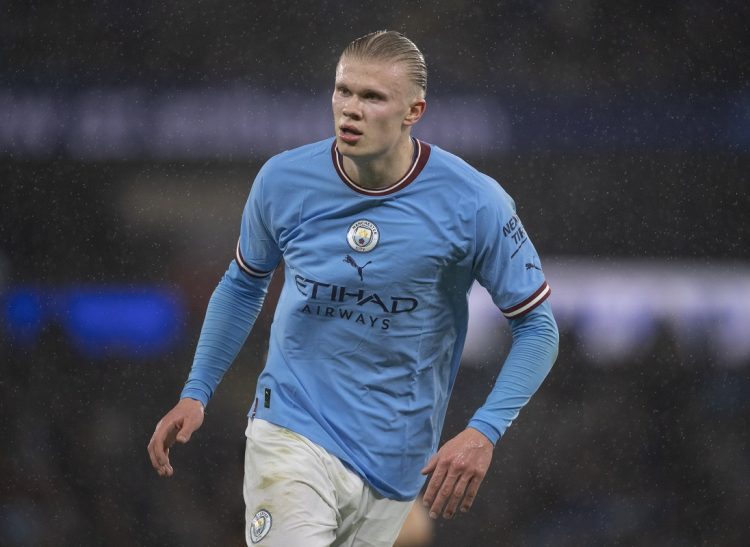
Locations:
(260, 525)
(363, 236)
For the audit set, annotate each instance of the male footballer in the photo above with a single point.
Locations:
(382, 236)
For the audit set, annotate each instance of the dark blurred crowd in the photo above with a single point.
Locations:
(652, 452)
(542, 46)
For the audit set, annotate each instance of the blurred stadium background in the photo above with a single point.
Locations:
(130, 132)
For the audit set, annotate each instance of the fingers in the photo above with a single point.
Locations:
(430, 467)
(471, 493)
(158, 447)
(178, 425)
(457, 472)
(450, 491)
(444, 493)
(156, 459)
(433, 487)
(189, 426)
(166, 469)
(455, 496)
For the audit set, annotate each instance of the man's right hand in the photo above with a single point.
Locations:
(177, 425)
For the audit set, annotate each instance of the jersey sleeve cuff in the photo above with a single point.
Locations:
(522, 308)
(485, 429)
(195, 392)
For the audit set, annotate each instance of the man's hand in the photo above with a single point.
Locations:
(177, 425)
(457, 470)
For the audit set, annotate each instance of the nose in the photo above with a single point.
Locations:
(351, 109)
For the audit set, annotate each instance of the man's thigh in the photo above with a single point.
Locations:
(375, 523)
(289, 498)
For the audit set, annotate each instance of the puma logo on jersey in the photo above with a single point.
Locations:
(349, 260)
(530, 265)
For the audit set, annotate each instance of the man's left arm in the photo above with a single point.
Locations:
(460, 465)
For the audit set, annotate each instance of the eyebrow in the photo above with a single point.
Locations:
(364, 91)
(377, 92)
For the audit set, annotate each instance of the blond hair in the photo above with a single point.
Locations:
(389, 45)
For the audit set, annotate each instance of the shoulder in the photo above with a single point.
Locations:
(309, 157)
(461, 177)
(291, 171)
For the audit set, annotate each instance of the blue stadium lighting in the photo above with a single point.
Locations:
(23, 314)
(100, 321)
(140, 322)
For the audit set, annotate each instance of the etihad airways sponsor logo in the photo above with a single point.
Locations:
(347, 314)
(329, 292)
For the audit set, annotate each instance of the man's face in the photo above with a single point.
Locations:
(373, 106)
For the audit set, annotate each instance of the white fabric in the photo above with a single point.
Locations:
(312, 498)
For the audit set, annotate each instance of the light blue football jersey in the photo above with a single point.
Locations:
(370, 325)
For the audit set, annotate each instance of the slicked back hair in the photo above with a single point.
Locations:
(391, 46)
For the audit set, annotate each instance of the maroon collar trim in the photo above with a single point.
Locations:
(421, 155)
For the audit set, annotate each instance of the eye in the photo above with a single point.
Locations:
(344, 92)
(372, 96)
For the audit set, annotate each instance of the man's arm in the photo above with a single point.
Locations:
(231, 314)
(531, 356)
(460, 465)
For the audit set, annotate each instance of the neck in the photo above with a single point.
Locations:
(384, 170)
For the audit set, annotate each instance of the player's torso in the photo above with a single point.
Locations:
(380, 263)
(372, 315)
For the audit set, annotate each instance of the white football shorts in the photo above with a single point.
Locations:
(299, 495)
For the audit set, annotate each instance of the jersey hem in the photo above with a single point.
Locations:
(332, 450)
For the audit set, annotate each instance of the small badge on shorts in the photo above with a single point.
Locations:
(260, 525)
(363, 236)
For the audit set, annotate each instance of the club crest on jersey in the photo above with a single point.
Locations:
(363, 236)
(260, 525)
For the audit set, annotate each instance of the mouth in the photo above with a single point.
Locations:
(349, 134)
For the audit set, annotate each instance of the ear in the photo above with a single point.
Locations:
(416, 111)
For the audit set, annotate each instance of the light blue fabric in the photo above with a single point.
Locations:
(370, 326)
(534, 350)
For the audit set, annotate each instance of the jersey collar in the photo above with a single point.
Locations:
(419, 160)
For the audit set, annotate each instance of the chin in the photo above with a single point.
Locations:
(349, 149)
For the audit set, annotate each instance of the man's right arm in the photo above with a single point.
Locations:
(231, 314)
